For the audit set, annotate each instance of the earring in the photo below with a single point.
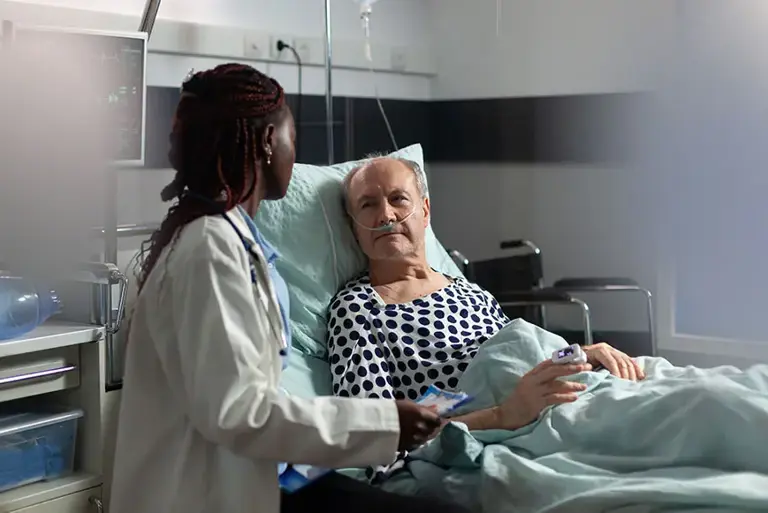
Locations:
(269, 156)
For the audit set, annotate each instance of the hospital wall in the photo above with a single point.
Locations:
(501, 97)
(198, 25)
(575, 150)
(522, 111)
(563, 86)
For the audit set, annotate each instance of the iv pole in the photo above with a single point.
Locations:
(149, 16)
(328, 80)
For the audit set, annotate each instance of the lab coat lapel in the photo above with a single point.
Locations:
(236, 215)
(263, 290)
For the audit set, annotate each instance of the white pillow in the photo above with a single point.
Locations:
(319, 253)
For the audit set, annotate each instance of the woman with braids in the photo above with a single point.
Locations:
(203, 425)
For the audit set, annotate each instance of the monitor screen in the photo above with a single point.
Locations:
(118, 63)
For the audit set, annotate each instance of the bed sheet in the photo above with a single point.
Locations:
(684, 439)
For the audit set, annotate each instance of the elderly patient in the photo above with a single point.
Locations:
(403, 325)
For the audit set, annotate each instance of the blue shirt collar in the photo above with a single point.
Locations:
(270, 253)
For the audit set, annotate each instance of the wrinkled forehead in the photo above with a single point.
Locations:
(381, 176)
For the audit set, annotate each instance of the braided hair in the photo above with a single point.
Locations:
(216, 147)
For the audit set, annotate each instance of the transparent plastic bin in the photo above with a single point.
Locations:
(36, 447)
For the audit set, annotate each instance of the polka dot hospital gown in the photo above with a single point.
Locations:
(396, 351)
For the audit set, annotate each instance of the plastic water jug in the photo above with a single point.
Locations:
(24, 306)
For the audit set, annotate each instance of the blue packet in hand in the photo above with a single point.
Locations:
(443, 402)
(295, 477)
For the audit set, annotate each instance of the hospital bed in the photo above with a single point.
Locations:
(314, 209)
(319, 254)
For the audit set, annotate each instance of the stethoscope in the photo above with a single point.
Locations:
(259, 275)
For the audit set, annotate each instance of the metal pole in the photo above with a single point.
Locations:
(149, 16)
(328, 80)
(110, 216)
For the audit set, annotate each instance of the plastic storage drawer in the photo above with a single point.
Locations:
(36, 447)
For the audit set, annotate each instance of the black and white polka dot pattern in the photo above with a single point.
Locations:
(396, 351)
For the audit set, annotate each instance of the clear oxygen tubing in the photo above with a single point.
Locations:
(386, 227)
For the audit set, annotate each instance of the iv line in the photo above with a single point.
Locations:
(365, 16)
(498, 18)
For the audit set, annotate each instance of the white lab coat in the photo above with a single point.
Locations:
(203, 424)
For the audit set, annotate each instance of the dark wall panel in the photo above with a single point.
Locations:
(577, 128)
(311, 143)
(586, 128)
(161, 104)
(409, 120)
(482, 131)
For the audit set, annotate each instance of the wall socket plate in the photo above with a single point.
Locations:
(399, 58)
(256, 46)
(306, 49)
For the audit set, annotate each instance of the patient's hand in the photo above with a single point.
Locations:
(617, 363)
(443, 423)
(537, 390)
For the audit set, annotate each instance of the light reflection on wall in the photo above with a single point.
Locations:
(715, 170)
(52, 160)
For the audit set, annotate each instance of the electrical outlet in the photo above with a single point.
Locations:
(256, 46)
(304, 47)
(277, 55)
(399, 58)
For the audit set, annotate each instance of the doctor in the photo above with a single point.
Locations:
(203, 424)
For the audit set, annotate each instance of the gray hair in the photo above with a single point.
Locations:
(418, 174)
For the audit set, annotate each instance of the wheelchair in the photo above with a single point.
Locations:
(517, 283)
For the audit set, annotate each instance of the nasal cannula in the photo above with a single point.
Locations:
(387, 227)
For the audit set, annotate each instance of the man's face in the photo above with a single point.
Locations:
(386, 191)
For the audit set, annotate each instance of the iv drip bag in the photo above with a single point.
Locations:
(365, 5)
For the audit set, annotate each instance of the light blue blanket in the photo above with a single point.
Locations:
(684, 439)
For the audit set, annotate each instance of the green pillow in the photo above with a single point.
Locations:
(319, 253)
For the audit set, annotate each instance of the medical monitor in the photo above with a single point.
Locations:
(118, 63)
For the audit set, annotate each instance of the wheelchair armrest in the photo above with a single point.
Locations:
(518, 244)
(534, 297)
(458, 257)
(460, 260)
(577, 284)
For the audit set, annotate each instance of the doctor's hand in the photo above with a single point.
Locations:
(539, 388)
(617, 363)
(417, 424)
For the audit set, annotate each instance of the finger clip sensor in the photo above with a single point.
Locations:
(571, 354)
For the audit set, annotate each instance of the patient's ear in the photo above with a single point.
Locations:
(427, 209)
